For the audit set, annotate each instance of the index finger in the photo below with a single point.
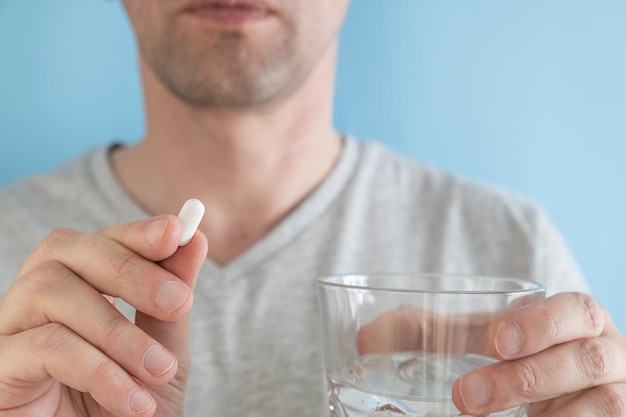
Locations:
(121, 261)
(545, 323)
(154, 239)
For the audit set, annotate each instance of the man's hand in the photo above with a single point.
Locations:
(563, 355)
(65, 350)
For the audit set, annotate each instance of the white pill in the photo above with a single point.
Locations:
(190, 216)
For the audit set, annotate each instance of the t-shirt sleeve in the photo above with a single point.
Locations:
(555, 264)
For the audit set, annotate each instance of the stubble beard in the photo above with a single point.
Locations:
(229, 72)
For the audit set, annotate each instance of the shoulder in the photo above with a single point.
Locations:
(451, 222)
(441, 194)
(45, 195)
(79, 194)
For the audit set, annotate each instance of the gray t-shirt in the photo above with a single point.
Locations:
(255, 339)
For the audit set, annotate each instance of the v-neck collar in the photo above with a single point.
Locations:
(288, 229)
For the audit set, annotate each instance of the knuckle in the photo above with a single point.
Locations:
(596, 359)
(528, 382)
(592, 311)
(57, 238)
(124, 265)
(124, 235)
(104, 369)
(55, 337)
(34, 293)
(52, 337)
(47, 277)
(116, 327)
(612, 401)
(553, 323)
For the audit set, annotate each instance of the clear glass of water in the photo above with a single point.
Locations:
(395, 343)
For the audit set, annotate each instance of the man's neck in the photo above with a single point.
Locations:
(250, 168)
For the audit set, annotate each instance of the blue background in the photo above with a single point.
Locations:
(530, 95)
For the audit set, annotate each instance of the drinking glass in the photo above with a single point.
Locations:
(395, 343)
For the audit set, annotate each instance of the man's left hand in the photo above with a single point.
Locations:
(563, 355)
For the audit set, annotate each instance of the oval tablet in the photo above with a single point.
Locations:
(190, 216)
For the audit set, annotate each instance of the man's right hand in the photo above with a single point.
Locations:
(65, 350)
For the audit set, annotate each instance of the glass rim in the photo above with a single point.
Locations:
(525, 286)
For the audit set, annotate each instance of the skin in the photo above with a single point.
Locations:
(563, 355)
(67, 351)
(238, 115)
(250, 162)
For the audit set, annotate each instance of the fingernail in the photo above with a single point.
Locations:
(140, 402)
(171, 296)
(508, 340)
(155, 231)
(157, 361)
(474, 390)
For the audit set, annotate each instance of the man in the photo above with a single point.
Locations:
(238, 97)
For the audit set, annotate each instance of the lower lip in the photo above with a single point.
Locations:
(230, 15)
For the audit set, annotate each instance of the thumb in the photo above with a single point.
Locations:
(185, 263)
